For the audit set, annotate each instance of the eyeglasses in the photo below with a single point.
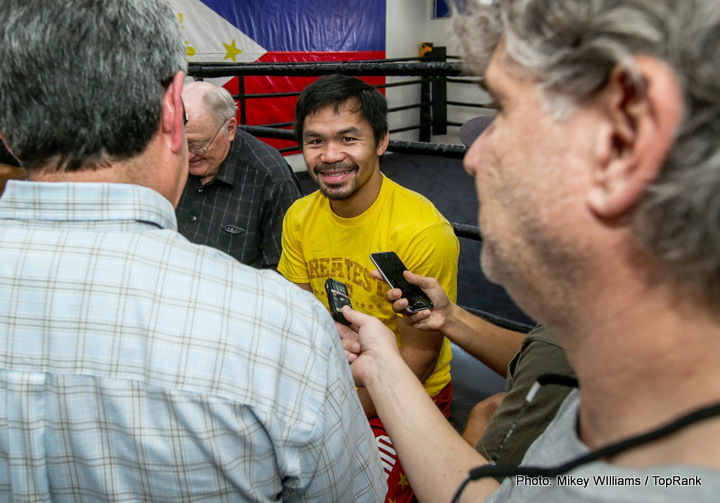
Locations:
(202, 150)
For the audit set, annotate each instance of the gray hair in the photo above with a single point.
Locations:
(82, 81)
(219, 103)
(572, 46)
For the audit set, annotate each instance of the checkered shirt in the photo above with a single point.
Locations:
(241, 210)
(136, 366)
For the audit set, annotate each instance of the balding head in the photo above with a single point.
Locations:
(204, 98)
(210, 129)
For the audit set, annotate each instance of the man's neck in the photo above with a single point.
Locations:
(157, 167)
(641, 365)
(116, 173)
(361, 201)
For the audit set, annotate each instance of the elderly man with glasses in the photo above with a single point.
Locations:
(239, 187)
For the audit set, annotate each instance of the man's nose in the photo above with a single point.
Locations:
(332, 154)
(474, 156)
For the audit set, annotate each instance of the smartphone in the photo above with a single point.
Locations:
(391, 268)
(337, 298)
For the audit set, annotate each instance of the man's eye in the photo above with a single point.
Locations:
(348, 138)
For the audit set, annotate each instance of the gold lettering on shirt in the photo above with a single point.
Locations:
(336, 268)
(313, 269)
(323, 267)
(357, 273)
(381, 287)
(348, 267)
(346, 270)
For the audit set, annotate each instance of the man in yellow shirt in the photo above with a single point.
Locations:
(341, 124)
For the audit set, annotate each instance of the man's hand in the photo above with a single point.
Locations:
(349, 338)
(430, 320)
(376, 344)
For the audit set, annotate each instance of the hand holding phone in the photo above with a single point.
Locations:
(391, 268)
(337, 298)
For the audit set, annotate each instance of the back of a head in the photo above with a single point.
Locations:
(335, 90)
(82, 81)
(572, 46)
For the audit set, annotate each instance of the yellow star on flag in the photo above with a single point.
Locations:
(232, 51)
(403, 480)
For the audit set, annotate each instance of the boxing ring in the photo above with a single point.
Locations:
(434, 72)
(432, 169)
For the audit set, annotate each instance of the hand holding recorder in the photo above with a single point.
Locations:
(429, 320)
(337, 298)
(391, 268)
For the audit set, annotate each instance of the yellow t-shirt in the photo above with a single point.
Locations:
(318, 244)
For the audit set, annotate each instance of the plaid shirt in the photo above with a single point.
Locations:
(136, 366)
(241, 210)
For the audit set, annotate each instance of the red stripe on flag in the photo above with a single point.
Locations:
(275, 110)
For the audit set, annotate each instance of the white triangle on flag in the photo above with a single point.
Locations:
(209, 37)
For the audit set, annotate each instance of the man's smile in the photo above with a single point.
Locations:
(335, 173)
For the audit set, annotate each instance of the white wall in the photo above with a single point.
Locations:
(409, 23)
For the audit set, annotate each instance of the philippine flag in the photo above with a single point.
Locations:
(281, 31)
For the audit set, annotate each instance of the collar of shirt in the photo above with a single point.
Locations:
(227, 169)
(65, 201)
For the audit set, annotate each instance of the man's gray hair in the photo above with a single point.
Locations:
(82, 81)
(219, 104)
(572, 46)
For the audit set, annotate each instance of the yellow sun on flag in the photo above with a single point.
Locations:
(232, 51)
(190, 49)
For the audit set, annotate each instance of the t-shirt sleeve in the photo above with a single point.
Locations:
(282, 196)
(434, 252)
(292, 263)
(538, 356)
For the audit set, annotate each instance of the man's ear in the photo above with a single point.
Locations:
(173, 113)
(641, 127)
(232, 128)
(383, 144)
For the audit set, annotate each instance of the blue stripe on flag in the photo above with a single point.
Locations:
(302, 25)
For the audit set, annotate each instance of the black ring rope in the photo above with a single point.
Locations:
(314, 69)
(398, 146)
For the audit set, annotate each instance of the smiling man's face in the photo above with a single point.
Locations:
(341, 155)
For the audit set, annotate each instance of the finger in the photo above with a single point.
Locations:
(356, 318)
(351, 346)
(393, 295)
(400, 305)
(421, 281)
(376, 274)
(345, 332)
(415, 318)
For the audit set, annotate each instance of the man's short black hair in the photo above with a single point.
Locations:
(335, 90)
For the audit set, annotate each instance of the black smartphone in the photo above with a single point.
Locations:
(391, 268)
(337, 298)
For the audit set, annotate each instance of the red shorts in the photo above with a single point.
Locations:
(399, 490)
